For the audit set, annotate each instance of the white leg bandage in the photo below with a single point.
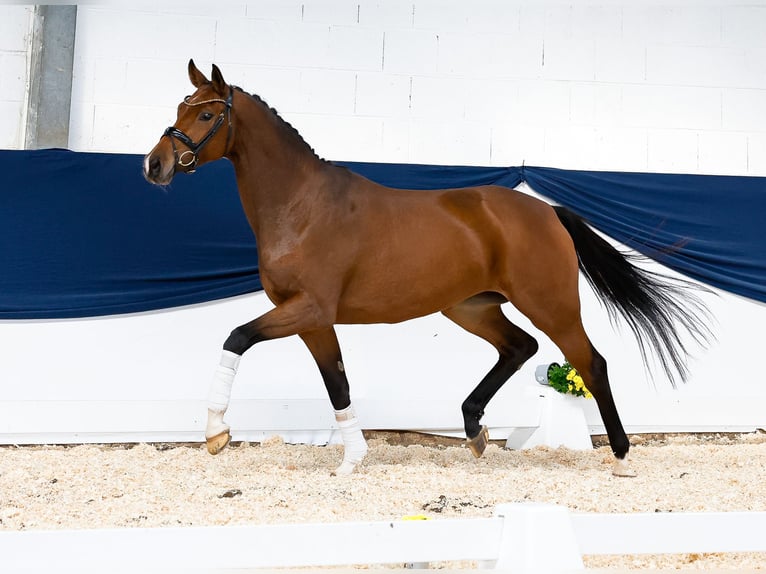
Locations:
(354, 445)
(220, 393)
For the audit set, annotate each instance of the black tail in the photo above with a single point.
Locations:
(651, 303)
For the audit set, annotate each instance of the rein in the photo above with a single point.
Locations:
(195, 148)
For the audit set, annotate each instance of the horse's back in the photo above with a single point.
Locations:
(499, 219)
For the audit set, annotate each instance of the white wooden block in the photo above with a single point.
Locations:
(525, 544)
(672, 533)
(562, 422)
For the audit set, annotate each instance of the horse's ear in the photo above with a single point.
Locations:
(196, 77)
(219, 84)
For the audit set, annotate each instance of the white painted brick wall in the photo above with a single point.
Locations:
(744, 110)
(715, 145)
(14, 31)
(691, 66)
(672, 107)
(673, 150)
(413, 52)
(593, 86)
(756, 153)
(386, 14)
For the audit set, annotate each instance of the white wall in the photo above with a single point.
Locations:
(669, 88)
(15, 24)
(613, 86)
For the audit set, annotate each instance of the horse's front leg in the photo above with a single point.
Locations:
(297, 314)
(323, 344)
(217, 433)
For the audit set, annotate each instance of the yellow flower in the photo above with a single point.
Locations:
(577, 385)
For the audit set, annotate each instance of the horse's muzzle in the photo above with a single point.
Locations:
(156, 170)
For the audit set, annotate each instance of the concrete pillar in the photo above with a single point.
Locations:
(50, 90)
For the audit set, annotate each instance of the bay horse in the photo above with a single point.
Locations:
(336, 248)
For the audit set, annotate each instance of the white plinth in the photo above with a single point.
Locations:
(562, 423)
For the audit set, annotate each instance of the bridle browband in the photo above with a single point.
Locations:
(194, 148)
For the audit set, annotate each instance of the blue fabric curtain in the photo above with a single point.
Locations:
(710, 228)
(82, 234)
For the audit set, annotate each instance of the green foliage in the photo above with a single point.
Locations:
(565, 379)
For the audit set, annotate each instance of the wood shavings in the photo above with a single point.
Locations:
(94, 486)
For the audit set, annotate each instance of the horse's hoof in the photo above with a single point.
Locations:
(621, 468)
(478, 443)
(217, 443)
(344, 469)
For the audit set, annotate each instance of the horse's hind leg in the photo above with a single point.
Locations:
(565, 328)
(571, 338)
(482, 316)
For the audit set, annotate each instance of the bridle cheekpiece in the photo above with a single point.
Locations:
(195, 148)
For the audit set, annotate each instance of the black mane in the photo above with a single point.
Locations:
(294, 132)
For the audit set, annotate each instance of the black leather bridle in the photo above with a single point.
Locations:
(195, 148)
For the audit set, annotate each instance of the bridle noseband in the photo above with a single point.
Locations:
(195, 148)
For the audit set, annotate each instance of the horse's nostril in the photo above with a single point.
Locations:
(154, 166)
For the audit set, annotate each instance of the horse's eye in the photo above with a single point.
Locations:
(205, 116)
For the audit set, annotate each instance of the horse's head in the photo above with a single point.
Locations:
(202, 131)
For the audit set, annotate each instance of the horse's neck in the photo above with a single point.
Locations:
(273, 171)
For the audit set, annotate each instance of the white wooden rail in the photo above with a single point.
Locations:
(520, 537)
